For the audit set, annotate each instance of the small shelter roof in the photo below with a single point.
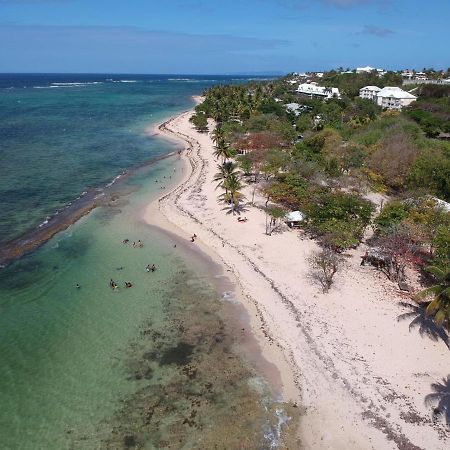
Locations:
(295, 216)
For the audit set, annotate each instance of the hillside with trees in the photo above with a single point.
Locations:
(329, 158)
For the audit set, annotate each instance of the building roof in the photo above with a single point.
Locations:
(295, 216)
(395, 92)
(313, 88)
(445, 206)
(371, 88)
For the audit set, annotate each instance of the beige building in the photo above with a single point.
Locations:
(391, 97)
(369, 92)
(394, 98)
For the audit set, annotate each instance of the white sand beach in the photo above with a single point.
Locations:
(359, 374)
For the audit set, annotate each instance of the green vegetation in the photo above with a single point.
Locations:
(350, 83)
(322, 157)
(200, 122)
(439, 307)
(432, 109)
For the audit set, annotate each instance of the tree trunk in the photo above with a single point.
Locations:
(253, 195)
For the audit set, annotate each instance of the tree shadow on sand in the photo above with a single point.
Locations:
(426, 325)
(235, 209)
(439, 400)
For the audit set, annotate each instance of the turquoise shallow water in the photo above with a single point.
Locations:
(80, 363)
(152, 366)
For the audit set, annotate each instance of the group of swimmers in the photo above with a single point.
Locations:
(115, 286)
(148, 268)
(162, 181)
(139, 243)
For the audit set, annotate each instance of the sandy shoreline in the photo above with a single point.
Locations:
(360, 374)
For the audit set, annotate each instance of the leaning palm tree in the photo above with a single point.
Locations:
(232, 195)
(222, 150)
(439, 307)
(218, 135)
(226, 170)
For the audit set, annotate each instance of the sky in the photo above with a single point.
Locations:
(221, 36)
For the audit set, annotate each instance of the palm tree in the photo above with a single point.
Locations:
(218, 135)
(226, 170)
(232, 195)
(439, 307)
(222, 150)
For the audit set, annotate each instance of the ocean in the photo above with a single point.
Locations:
(158, 365)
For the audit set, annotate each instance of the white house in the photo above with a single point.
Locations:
(294, 108)
(408, 74)
(388, 97)
(369, 69)
(366, 69)
(422, 76)
(313, 90)
(369, 92)
(394, 98)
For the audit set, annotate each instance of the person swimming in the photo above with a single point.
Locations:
(113, 284)
(128, 284)
(153, 268)
(77, 286)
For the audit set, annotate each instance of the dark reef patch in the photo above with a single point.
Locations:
(180, 355)
(192, 389)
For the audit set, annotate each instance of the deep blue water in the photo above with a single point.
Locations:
(84, 366)
(61, 134)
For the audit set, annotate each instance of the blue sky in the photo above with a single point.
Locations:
(221, 36)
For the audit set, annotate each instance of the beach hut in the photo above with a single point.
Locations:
(294, 218)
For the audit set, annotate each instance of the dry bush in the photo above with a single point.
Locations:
(260, 140)
(393, 158)
(324, 265)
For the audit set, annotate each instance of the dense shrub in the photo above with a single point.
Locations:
(431, 171)
(340, 217)
(392, 214)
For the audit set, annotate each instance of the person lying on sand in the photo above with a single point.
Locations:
(242, 219)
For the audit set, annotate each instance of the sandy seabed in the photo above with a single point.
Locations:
(352, 359)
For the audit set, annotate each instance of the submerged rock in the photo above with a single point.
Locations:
(180, 355)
